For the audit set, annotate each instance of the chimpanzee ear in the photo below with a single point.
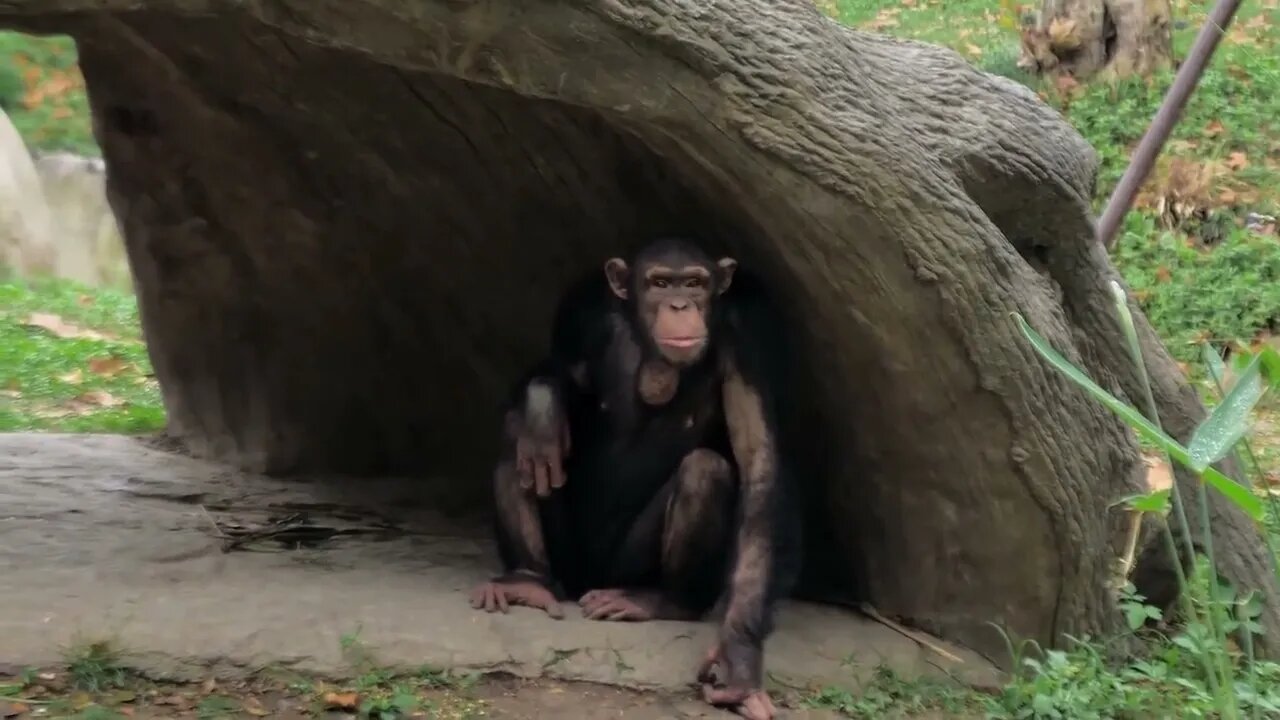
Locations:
(727, 266)
(619, 276)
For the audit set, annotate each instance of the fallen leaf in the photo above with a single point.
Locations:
(126, 710)
(1213, 129)
(75, 377)
(1237, 161)
(253, 706)
(1227, 197)
(973, 49)
(81, 700)
(1159, 474)
(85, 300)
(123, 696)
(1163, 275)
(8, 710)
(1065, 84)
(1062, 34)
(60, 328)
(209, 686)
(99, 397)
(108, 366)
(341, 701)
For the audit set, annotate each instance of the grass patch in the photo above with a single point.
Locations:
(1200, 249)
(95, 667)
(72, 360)
(43, 92)
(889, 695)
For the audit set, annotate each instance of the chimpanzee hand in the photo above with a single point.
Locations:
(732, 675)
(542, 442)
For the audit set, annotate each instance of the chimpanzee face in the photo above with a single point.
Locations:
(672, 292)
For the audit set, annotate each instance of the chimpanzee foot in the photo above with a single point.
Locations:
(623, 605)
(501, 593)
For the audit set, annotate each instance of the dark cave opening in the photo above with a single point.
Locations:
(353, 290)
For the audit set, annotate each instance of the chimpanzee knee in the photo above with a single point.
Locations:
(699, 522)
(703, 474)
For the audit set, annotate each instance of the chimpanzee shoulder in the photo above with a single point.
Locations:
(753, 330)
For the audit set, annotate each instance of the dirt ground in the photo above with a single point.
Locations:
(502, 698)
(196, 571)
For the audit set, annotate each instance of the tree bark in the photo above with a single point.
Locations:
(1086, 38)
(348, 225)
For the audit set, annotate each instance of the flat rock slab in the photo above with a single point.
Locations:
(110, 538)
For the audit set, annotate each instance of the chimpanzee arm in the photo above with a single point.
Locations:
(539, 408)
(766, 560)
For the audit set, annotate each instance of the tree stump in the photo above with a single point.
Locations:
(1084, 38)
(349, 224)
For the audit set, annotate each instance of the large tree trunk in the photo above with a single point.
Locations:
(1083, 38)
(349, 223)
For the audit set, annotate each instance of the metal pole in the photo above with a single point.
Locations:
(1166, 117)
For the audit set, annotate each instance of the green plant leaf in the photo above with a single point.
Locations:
(1156, 501)
(1237, 493)
(1229, 421)
(1213, 362)
(1270, 359)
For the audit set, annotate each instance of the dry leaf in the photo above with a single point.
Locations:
(123, 696)
(85, 300)
(1213, 129)
(1237, 161)
(108, 366)
(209, 686)
(125, 710)
(254, 707)
(99, 397)
(1163, 275)
(8, 710)
(1062, 34)
(973, 49)
(75, 377)
(1227, 197)
(341, 701)
(1159, 474)
(60, 327)
(1065, 84)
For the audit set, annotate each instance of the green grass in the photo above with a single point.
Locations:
(72, 360)
(1198, 273)
(42, 92)
(1240, 90)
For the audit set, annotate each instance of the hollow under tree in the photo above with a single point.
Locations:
(348, 224)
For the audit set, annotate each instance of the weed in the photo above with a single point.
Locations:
(888, 695)
(95, 666)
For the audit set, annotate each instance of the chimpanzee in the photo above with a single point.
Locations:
(641, 472)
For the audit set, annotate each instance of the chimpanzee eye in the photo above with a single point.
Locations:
(693, 283)
(660, 283)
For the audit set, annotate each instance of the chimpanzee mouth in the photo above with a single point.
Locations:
(683, 342)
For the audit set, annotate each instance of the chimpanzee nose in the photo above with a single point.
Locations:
(680, 304)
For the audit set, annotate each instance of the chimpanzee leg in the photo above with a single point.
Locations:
(687, 530)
